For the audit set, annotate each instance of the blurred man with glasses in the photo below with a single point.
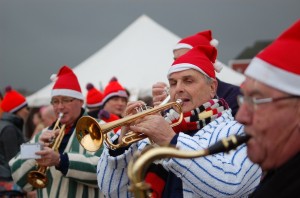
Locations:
(270, 111)
(72, 170)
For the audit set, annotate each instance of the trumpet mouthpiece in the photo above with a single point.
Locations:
(60, 115)
(179, 101)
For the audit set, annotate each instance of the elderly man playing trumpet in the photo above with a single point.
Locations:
(64, 169)
(191, 79)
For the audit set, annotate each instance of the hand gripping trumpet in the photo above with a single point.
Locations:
(91, 134)
(38, 178)
(140, 162)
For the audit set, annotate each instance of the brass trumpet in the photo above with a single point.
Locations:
(91, 134)
(140, 162)
(38, 178)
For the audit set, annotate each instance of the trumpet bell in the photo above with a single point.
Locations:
(88, 133)
(37, 179)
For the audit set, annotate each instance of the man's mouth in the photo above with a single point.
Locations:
(184, 100)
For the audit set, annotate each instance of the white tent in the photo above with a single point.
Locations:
(139, 56)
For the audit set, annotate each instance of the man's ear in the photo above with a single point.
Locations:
(213, 88)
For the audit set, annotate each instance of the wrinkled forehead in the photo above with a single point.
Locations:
(60, 97)
(253, 86)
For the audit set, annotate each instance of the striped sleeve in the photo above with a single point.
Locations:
(82, 164)
(20, 168)
(112, 171)
(221, 175)
(83, 168)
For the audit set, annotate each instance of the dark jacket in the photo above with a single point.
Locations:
(229, 92)
(11, 137)
(282, 182)
(94, 113)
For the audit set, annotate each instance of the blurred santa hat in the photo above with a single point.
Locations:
(93, 97)
(200, 58)
(277, 65)
(113, 89)
(66, 84)
(13, 101)
(201, 38)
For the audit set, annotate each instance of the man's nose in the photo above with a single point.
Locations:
(244, 116)
(179, 87)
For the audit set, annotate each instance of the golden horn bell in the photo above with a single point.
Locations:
(91, 134)
(38, 178)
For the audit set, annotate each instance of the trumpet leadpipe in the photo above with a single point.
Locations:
(60, 115)
(165, 101)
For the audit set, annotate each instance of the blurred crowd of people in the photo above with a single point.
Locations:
(265, 107)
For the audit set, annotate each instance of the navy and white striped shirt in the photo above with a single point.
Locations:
(220, 175)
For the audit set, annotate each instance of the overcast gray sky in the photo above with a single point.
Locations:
(38, 36)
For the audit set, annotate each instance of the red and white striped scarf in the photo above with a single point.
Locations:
(199, 117)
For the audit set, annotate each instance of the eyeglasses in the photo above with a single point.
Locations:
(63, 101)
(254, 101)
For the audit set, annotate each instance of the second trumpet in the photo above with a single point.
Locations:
(38, 178)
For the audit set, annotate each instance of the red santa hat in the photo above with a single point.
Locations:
(277, 65)
(94, 96)
(200, 58)
(13, 101)
(66, 84)
(113, 88)
(201, 38)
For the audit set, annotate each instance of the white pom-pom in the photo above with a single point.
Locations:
(53, 77)
(214, 42)
(218, 66)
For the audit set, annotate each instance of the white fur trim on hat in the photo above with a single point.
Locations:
(18, 107)
(184, 66)
(182, 46)
(273, 76)
(120, 93)
(67, 92)
(94, 105)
